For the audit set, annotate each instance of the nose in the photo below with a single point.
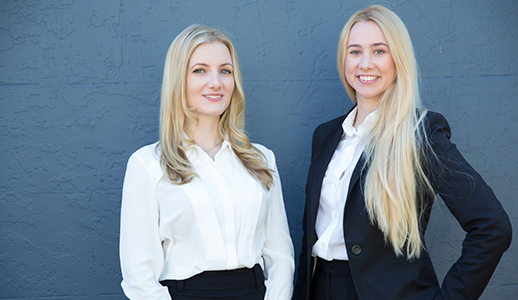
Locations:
(214, 81)
(366, 62)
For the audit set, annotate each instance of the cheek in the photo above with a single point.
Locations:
(191, 84)
(350, 73)
(390, 67)
(350, 67)
(192, 89)
(230, 84)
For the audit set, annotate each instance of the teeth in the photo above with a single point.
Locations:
(368, 78)
(213, 96)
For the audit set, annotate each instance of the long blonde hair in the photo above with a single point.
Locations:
(174, 111)
(396, 181)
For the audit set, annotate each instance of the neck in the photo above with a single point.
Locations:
(205, 135)
(364, 109)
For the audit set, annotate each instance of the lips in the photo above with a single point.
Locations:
(367, 78)
(214, 97)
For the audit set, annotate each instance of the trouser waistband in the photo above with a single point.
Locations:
(337, 267)
(220, 280)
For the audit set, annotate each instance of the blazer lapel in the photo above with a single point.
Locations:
(318, 170)
(356, 175)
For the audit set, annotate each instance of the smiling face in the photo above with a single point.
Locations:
(210, 80)
(369, 67)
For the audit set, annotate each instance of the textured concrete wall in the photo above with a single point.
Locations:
(79, 92)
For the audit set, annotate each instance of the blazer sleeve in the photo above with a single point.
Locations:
(141, 252)
(476, 208)
(278, 248)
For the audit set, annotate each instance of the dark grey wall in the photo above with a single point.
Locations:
(79, 92)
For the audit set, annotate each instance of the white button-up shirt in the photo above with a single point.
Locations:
(329, 224)
(222, 220)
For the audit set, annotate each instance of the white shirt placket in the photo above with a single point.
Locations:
(229, 229)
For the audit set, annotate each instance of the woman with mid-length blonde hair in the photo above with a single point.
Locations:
(373, 178)
(202, 213)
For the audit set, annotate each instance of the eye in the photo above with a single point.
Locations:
(379, 51)
(198, 71)
(354, 52)
(226, 72)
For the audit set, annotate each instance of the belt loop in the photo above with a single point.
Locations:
(180, 286)
(257, 275)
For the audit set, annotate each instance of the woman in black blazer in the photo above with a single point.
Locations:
(373, 178)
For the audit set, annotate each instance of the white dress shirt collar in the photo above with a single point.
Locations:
(195, 149)
(348, 123)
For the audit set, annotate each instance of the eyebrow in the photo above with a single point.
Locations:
(205, 65)
(375, 44)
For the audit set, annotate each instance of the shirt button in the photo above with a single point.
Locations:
(356, 250)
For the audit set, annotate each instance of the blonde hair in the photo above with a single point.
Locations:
(174, 111)
(396, 180)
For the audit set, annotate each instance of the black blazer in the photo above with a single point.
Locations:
(377, 272)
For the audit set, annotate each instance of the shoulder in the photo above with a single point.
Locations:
(145, 163)
(435, 124)
(434, 119)
(147, 155)
(329, 126)
(268, 154)
(438, 132)
(326, 130)
(334, 123)
(265, 151)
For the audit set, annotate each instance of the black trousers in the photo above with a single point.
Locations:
(239, 284)
(332, 280)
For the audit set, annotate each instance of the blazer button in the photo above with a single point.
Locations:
(356, 250)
